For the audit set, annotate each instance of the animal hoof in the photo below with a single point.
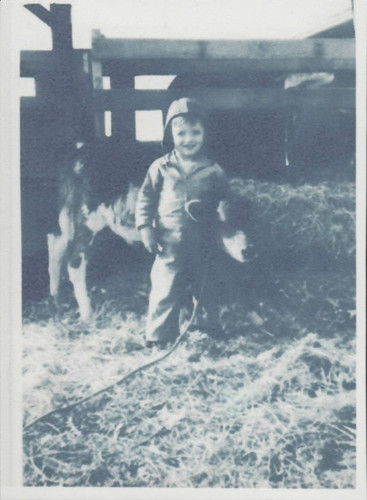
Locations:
(255, 319)
(160, 344)
(54, 307)
(85, 315)
(84, 320)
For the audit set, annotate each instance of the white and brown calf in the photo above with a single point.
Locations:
(78, 226)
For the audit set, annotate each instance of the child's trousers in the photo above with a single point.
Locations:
(178, 273)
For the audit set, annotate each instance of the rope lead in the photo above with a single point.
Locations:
(129, 375)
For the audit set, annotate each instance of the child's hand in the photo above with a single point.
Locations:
(149, 239)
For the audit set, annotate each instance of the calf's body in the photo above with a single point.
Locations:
(69, 248)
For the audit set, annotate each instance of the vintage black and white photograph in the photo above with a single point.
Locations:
(187, 186)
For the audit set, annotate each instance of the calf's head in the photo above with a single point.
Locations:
(230, 234)
(232, 237)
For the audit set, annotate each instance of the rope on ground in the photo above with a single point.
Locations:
(123, 379)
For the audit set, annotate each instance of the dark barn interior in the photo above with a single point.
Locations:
(259, 129)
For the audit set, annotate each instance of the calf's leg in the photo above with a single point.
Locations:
(77, 269)
(55, 255)
(57, 248)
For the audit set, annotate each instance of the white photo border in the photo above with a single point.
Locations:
(10, 314)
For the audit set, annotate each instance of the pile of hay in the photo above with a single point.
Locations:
(293, 222)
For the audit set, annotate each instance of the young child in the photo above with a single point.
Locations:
(176, 213)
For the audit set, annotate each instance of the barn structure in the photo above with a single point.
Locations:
(260, 128)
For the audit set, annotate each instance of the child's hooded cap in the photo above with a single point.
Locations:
(181, 107)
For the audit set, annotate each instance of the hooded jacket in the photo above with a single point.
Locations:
(168, 191)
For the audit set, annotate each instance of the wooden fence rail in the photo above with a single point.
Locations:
(219, 99)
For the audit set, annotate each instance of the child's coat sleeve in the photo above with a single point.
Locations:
(147, 201)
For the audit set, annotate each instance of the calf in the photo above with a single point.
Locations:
(79, 222)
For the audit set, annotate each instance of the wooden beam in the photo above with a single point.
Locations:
(219, 99)
(38, 104)
(41, 12)
(252, 52)
(226, 99)
(58, 18)
(229, 66)
(34, 62)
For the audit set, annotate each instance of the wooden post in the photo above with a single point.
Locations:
(99, 121)
(123, 121)
(62, 40)
(61, 88)
(58, 18)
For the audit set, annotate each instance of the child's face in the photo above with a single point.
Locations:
(188, 138)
